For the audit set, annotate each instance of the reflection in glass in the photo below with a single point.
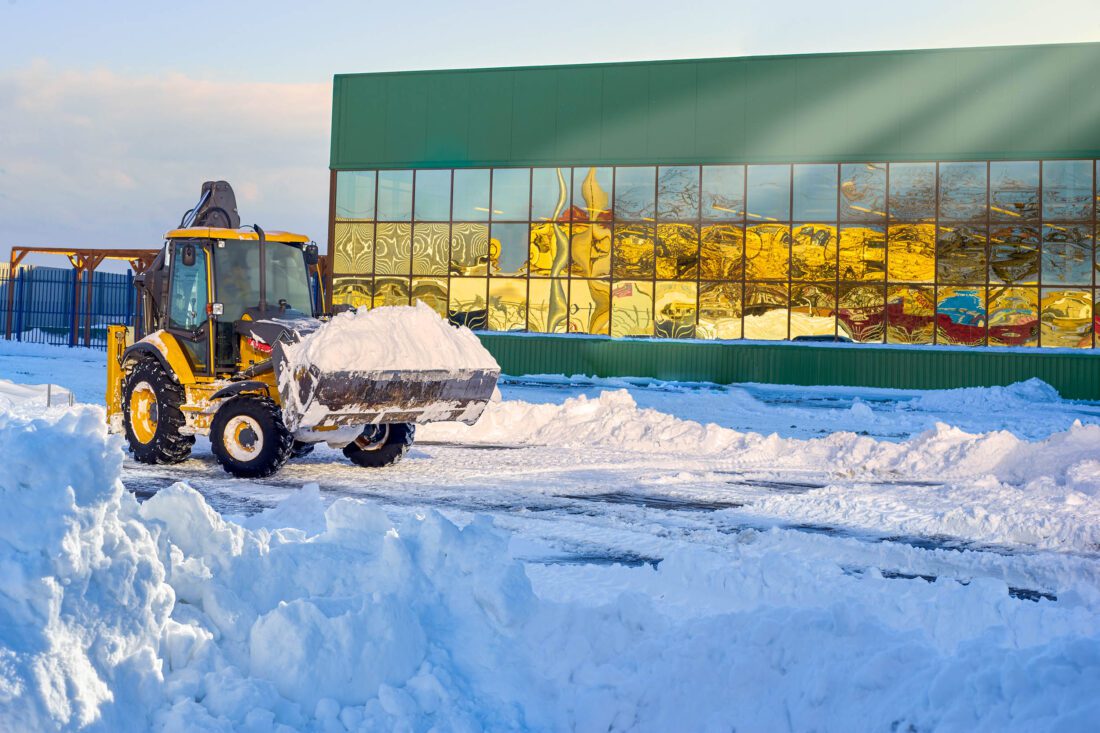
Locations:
(678, 192)
(912, 252)
(391, 291)
(767, 251)
(631, 308)
(1067, 190)
(589, 306)
(863, 192)
(863, 253)
(1067, 254)
(511, 194)
(723, 192)
(354, 248)
(469, 249)
(432, 291)
(551, 193)
(635, 189)
(677, 251)
(960, 315)
(471, 195)
(395, 195)
(549, 250)
(353, 291)
(634, 250)
(507, 304)
(815, 192)
(592, 194)
(1013, 316)
(912, 191)
(960, 254)
(861, 311)
(910, 314)
(393, 249)
(769, 193)
(813, 252)
(466, 304)
(355, 195)
(433, 195)
(962, 191)
(721, 250)
(431, 246)
(719, 311)
(1014, 254)
(765, 311)
(548, 305)
(674, 310)
(590, 250)
(1066, 318)
(1013, 190)
(508, 249)
(813, 309)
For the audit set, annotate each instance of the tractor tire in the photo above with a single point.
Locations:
(248, 437)
(301, 450)
(151, 415)
(381, 445)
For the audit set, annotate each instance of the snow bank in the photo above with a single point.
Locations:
(31, 397)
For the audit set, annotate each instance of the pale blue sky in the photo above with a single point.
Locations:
(114, 112)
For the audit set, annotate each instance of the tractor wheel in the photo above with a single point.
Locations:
(248, 437)
(301, 450)
(151, 415)
(381, 445)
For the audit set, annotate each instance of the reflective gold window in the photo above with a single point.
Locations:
(911, 252)
(813, 309)
(678, 192)
(354, 248)
(1067, 190)
(768, 195)
(765, 311)
(960, 254)
(863, 192)
(674, 309)
(511, 194)
(813, 252)
(1067, 254)
(910, 314)
(431, 247)
(393, 249)
(590, 250)
(862, 252)
(861, 312)
(508, 249)
(592, 188)
(719, 311)
(469, 249)
(431, 291)
(548, 305)
(634, 250)
(960, 315)
(677, 251)
(767, 251)
(631, 308)
(723, 196)
(962, 191)
(912, 191)
(355, 195)
(391, 291)
(551, 194)
(635, 193)
(466, 302)
(1014, 253)
(352, 290)
(549, 250)
(507, 304)
(1013, 316)
(1066, 318)
(589, 306)
(721, 250)
(1013, 191)
(815, 192)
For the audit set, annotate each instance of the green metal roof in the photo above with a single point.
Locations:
(1005, 102)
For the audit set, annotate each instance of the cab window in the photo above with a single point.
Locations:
(188, 293)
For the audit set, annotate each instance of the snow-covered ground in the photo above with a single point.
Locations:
(593, 555)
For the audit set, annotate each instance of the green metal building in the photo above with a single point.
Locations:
(717, 219)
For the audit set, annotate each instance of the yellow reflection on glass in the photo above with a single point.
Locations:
(469, 249)
(767, 252)
(633, 256)
(813, 309)
(391, 291)
(719, 311)
(912, 252)
(432, 291)
(1067, 254)
(353, 291)
(547, 305)
(590, 250)
(960, 256)
(354, 247)
(1066, 318)
(910, 314)
(813, 252)
(431, 244)
(631, 308)
(549, 249)
(592, 194)
(674, 310)
(960, 315)
(589, 306)
(861, 312)
(1014, 254)
(677, 251)
(1013, 316)
(508, 249)
(766, 311)
(863, 253)
(466, 304)
(720, 252)
(393, 249)
(507, 304)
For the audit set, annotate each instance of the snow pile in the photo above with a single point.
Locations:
(31, 397)
(1026, 395)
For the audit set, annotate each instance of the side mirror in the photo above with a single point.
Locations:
(188, 256)
(311, 253)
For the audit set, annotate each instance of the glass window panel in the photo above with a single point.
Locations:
(677, 251)
(813, 252)
(590, 250)
(910, 314)
(815, 192)
(631, 308)
(589, 306)
(960, 315)
(769, 193)
(469, 249)
(548, 305)
(724, 192)
(433, 195)
(592, 193)
(960, 254)
(395, 195)
(721, 250)
(861, 312)
(863, 192)
(1014, 253)
(1067, 189)
(674, 308)
(962, 191)
(549, 250)
(393, 249)
(813, 309)
(511, 193)
(1013, 316)
(508, 304)
(355, 194)
(912, 191)
(634, 250)
(1066, 318)
(766, 311)
(466, 302)
(767, 251)
(1067, 254)
(432, 291)
(635, 191)
(471, 195)
(352, 290)
(678, 192)
(431, 248)
(391, 291)
(551, 194)
(508, 248)
(1014, 190)
(911, 256)
(719, 311)
(862, 253)
(354, 248)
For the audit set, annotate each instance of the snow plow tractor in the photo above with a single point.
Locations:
(220, 308)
